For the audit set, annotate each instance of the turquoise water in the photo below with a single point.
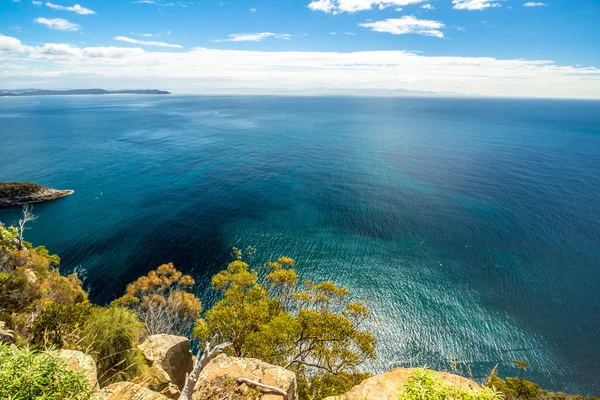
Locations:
(470, 226)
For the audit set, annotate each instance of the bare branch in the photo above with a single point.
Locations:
(28, 216)
(262, 385)
(201, 362)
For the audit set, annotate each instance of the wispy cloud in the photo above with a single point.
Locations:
(160, 3)
(146, 42)
(474, 4)
(76, 8)
(37, 3)
(58, 24)
(534, 4)
(254, 37)
(407, 25)
(253, 10)
(351, 6)
(427, 7)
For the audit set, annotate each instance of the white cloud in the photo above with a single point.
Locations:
(254, 37)
(147, 43)
(534, 4)
(351, 6)
(37, 3)
(76, 8)
(58, 24)
(217, 71)
(407, 25)
(427, 7)
(474, 4)
(10, 44)
(253, 10)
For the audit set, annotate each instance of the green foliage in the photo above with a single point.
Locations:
(516, 388)
(19, 189)
(424, 385)
(9, 238)
(28, 374)
(61, 324)
(310, 328)
(326, 385)
(111, 337)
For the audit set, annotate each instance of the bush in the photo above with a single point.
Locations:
(111, 337)
(28, 374)
(61, 324)
(329, 385)
(424, 385)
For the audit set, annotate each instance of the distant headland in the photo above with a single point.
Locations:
(18, 193)
(42, 92)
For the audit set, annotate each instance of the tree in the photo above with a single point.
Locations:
(163, 301)
(522, 365)
(309, 327)
(28, 216)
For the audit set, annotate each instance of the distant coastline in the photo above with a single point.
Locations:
(41, 92)
(19, 193)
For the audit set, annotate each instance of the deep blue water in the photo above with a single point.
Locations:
(471, 226)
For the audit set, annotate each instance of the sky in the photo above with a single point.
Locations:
(548, 48)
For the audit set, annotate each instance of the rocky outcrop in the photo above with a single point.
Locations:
(79, 362)
(127, 390)
(387, 386)
(6, 335)
(18, 193)
(218, 380)
(170, 360)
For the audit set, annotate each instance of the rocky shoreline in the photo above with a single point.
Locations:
(16, 194)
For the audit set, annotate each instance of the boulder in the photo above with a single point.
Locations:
(218, 380)
(127, 390)
(170, 359)
(387, 386)
(6, 335)
(80, 362)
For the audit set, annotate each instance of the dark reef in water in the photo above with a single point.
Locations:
(18, 193)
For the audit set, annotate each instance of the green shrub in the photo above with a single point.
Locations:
(60, 324)
(28, 374)
(111, 337)
(424, 385)
(326, 385)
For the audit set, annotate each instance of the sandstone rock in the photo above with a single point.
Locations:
(6, 335)
(80, 362)
(170, 358)
(127, 390)
(388, 385)
(218, 380)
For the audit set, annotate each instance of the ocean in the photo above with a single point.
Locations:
(470, 226)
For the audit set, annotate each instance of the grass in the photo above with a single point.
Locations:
(30, 374)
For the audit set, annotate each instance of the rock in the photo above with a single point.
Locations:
(388, 385)
(218, 380)
(6, 335)
(170, 359)
(127, 390)
(18, 193)
(80, 362)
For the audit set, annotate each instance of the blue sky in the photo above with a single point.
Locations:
(409, 41)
